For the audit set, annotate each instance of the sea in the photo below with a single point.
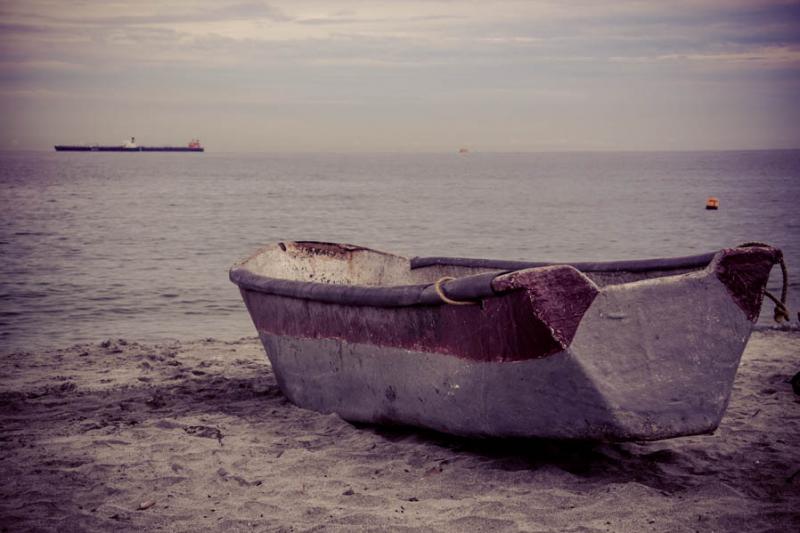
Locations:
(97, 246)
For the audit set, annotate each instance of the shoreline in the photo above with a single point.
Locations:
(197, 435)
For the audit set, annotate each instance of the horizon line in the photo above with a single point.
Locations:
(455, 151)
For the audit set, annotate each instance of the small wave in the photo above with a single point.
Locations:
(31, 234)
(31, 294)
(127, 311)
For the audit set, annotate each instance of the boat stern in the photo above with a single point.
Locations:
(663, 353)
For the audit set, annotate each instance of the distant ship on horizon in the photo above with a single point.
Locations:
(130, 146)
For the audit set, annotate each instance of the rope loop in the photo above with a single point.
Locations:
(438, 288)
(781, 311)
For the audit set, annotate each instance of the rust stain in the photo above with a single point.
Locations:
(333, 250)
(558, 295)
(745, 272)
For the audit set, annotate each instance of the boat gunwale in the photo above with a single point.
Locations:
(467, 288)
(633, 265)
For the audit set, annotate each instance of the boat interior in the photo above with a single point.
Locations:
(344, 264)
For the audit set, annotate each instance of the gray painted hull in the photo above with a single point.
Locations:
(650, 360)
(638, 350)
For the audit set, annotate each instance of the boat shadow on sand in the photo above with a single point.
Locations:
(226, 396)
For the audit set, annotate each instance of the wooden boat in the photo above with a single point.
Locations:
(634, 350)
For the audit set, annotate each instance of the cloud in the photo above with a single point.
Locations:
(350, 19)
(145, 13)
(512, 58)
(22, 29)
(458, 30)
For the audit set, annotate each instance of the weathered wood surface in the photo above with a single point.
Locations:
(544, 352)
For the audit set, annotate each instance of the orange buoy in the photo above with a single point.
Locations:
(712, 203)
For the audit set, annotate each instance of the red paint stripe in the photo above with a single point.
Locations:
(529, 321)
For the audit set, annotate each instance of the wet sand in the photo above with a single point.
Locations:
(196, 436)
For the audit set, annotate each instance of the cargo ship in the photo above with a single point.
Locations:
(130, 146)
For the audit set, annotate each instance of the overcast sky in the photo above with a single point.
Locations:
(403, 75)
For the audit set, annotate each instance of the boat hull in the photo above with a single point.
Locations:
(646, 360)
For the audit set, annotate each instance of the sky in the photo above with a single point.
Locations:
(402, 76)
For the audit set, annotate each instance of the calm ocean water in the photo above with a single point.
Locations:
(98, 246)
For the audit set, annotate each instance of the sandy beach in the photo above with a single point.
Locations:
(197, 436)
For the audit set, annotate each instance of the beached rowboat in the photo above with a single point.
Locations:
(614, 351)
